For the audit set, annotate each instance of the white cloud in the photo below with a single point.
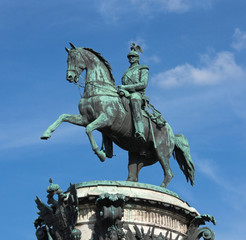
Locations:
(114, 10)
(147, 6)
(231, 186)
(216, 70)
(208, 168)
(16, 136)
(239, 39)
(176, 5)
(154, 58)
(109, 9)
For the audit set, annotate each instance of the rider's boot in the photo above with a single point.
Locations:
(138, 119)
(139, 135)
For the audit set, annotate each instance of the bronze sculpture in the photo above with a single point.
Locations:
(103, 108)
(134, 81)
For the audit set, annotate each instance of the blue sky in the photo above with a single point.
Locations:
(195, 50)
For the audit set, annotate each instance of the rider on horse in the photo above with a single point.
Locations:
(102, 111)
(134, 81)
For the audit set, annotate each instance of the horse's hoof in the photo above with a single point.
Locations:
(45, 137)
(101, 155)
(163, 185)
(131, 179)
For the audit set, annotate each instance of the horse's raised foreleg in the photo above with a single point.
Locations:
(74, 119)
(100, 122)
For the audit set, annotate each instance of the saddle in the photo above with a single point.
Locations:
(148, 110)
(154, 115)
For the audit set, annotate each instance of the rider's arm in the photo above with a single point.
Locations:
(142, 83)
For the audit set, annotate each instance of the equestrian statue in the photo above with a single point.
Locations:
(123, 115)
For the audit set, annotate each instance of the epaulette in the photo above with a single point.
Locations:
(143, 67)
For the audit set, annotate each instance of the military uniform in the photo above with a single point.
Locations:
(135, 80)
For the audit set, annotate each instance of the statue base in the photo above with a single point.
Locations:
(145, 206)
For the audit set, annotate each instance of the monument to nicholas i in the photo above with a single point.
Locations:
(100, 210)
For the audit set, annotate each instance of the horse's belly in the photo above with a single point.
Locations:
(123, 136)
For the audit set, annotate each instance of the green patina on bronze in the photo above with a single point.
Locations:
(57, 220)
(195, 233)
(127, 184)
(109, 212)
(119, 116)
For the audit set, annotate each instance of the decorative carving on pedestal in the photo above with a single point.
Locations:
(109, 224)
(109, 212)
(150, 235)
(195, 233)
(57, 221)
(136, 212)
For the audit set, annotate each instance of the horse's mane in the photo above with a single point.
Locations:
(107, 64)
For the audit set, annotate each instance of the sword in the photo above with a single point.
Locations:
(150, 123)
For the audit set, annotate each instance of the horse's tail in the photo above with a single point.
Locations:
(182, 154)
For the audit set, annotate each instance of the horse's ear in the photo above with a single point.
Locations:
(66, 49)
(73, 47)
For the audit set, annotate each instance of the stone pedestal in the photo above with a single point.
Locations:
(145, 206)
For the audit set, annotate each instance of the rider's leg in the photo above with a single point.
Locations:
(136, 107)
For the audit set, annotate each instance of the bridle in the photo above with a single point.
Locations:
(96, 84)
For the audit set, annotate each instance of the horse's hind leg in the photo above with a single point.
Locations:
(168, 174)
(164, 161)
(134, 166)
(74, 119)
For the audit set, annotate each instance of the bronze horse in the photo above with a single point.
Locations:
(101, 108)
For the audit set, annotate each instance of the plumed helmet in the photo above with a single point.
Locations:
(134, 50)
(133, 53)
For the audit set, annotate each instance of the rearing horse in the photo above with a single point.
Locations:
(101, 109)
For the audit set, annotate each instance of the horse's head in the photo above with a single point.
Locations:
(75, 64)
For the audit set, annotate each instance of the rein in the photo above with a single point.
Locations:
(92, 83)
(80, 85)
(102, 87)
(111, 92)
